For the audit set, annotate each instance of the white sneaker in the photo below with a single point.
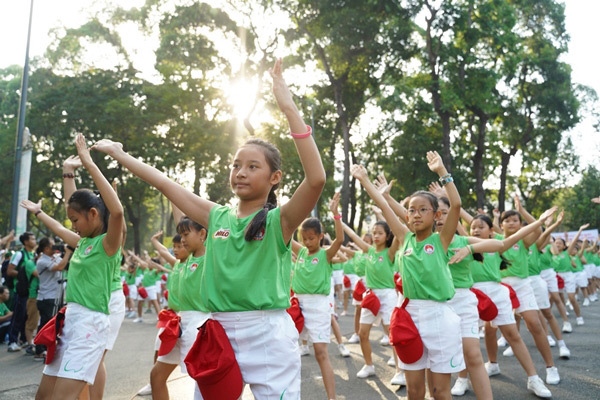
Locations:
(138, 320)
(580, 321)
(304, 350)
(146, 390)
(343, 350)
(385, 340)
(502, 342)
(460, 387)
(551, 341)
(354, 339)
(567, 328)
(343, 314)
(366, 371)
(564, 352)
(594, 297)
(13, 347)
(492, 368)
(586, 302)
(552, 377)
(508, 352)
(568, 304)
(398, 379)
(535, 385)
(391, 362)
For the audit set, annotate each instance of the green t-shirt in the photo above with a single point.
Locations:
(338, 266)
(149, 278)
(578, 263)
(349, 267)
(3, 311)
(241, 275)
(533, 261)
(425, 272)
(312, 273)
(117, 283)
(190, 281)
(90, 274)
(517, 258)
(562, 262)
(488, 270)
(546, 258)
(29, 264)
(461, 272)
(379, 270)
(173, 286)
(130, 278)
(360, 263)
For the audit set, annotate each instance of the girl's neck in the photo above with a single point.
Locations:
(380, 247)
(199, 251)
(423, 234)
(311, 253)
(249, 207)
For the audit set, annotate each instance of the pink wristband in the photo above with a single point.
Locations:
(336, 217)
(302, 135)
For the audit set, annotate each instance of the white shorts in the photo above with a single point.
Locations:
(158, 285)
(590, 270)
(439, 327)
(353, 279)
(316, 310)
(338, 276)
(157, 340)
(500, 296)
(524, 293)
(549, 275)
(597, 274)
(540, 291)
(151, 290)
(133, 292)
(116, 307)
(190, 322)
(265, 344)
(581, 279)
(464, 303)
(570, 283)
(81, 346)
(388, 299)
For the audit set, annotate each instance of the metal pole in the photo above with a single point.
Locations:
(20, 128)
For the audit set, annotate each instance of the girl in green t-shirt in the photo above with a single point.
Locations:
(97, 235)
(246, 278)
(311, 283)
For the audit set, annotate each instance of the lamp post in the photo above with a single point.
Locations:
(20, 129)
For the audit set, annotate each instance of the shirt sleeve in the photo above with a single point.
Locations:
(16, 258)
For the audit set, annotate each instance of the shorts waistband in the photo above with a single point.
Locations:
(235, 316)
(309, 297)
(426, 303)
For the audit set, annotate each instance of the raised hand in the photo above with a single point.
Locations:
(518, 205)
(334, 204)
(359, 172)
(280, 89)
(459, 255)
(584, 227)
(404, 202)
(31, 206)
(376, 209)
(82, 149)
(560, 217)
(596, 200)
(156, 235)
(548, 213)
(382, 185)
(107, 146)
(435, 163)
(437, 189)
(496, 213)
(114, 184)
(71, 164)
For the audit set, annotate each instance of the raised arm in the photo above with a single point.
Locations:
(496, 221)
(177, 214)
(364, 246)
(527, 231)
(545, 237)
(63, 262)
(571, 249)
(5, 241)
(308, 192)
(161, 249)
(386, 188)
(436, 165)
(69, 186)
(339, 231)
(397, 227)
(68, 236)
(534, 235)
(195, 207)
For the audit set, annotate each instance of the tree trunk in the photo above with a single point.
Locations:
(478, 165)
(503, 174)
(353, 196)
(135, 224)
(197, 177)
(345, 129)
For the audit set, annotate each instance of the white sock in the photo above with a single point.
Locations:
(531, 377)
(561, 343)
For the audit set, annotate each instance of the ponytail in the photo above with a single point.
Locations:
(256, 227)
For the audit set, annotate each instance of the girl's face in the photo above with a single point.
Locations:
(193, 240)
(511, 224)
(420, 214)
(560, 245)
(179, 251)
(379, 235)
(368, 238)
(311, 239)
(480, 229)
(84, 223)
(251, 177)
(442, 216)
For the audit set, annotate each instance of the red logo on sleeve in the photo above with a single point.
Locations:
(429, 249)
(88, 250)
(408, 252)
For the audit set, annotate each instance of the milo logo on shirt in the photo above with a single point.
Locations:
(408, 252)
(221, 234)
(429, 249)
(314, 261)
(88, 250)
(193, 267)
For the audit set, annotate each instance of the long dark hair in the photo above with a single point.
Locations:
(42, 244)
(83, 200)
(478, 256)
(186, 225)
(256, 227)
(389, 236)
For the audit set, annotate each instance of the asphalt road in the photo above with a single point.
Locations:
(129, 365)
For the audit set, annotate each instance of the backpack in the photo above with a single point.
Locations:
(8, 280)
(23, 282)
